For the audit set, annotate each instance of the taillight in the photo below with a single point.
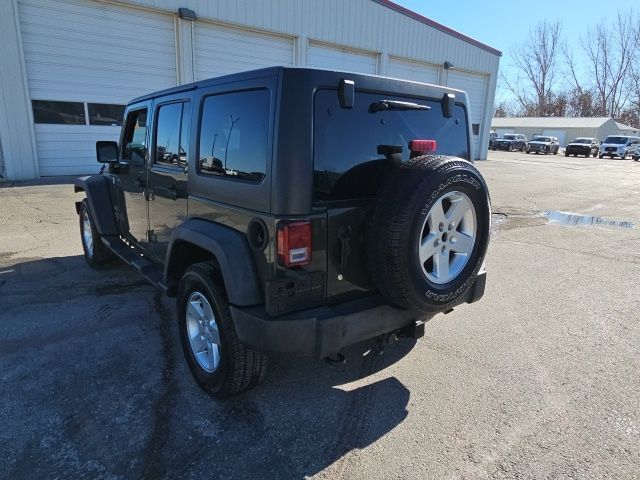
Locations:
(294, 243)
(422, 146)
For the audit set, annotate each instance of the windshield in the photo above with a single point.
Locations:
(582, 140)
(509, 137)
(616, 140)
(541, 139)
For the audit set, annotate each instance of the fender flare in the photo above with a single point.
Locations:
(230, 249)
(97, 189)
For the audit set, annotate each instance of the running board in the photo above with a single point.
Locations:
(130, 256)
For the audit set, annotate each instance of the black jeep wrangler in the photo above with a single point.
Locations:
(292, 210)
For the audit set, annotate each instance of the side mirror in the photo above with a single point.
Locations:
(107, 152)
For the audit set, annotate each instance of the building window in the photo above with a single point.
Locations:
(63, 113)
(475, 127)
(105, 114)
(234, 135)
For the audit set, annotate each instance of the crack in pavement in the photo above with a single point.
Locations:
(152, 465)
(573, 250)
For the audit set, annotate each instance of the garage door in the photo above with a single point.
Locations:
(409, 70)
(222, 50)
(561, 134)
(335, 58)
(84, 60)
(475, 85)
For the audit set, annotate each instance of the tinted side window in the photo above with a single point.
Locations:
(234, 135)
(168, 134)
(135, 137)
(346, 162)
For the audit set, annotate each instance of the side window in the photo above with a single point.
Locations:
(135, 137)
(172, 134)
(234, 133)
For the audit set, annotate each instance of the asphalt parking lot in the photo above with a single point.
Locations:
(540, 379)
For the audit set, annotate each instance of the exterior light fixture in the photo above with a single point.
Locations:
(448, 65)
(187, 14)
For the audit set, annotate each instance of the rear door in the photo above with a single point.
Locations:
(348, 170)
(168, 171)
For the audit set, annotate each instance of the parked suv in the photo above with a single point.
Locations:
(586, 146)
(619, 146)
(543, 144)
(492, 136)
(510, 142)
(292, 210)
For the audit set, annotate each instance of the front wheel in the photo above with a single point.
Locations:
(566, 154)
(220, 363)
(96, 254)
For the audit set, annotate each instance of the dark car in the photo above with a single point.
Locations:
(492, 136)
(312, 210)
(510, 142)
(586, 146)
(543, 144)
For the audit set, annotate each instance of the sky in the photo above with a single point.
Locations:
(502, 24)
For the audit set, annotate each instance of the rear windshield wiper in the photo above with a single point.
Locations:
(383, 105)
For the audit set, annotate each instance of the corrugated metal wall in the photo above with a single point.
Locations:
(361, 24)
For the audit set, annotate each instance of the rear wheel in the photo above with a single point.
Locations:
(220, 363)
(429, 233)
(96, 254)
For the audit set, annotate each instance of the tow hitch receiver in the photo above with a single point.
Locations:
(415, 330)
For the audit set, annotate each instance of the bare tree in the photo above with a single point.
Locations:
(611, 53)
(538, 72)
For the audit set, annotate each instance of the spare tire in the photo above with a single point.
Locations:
(428, 232)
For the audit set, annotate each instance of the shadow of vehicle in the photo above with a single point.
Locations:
(94, 384)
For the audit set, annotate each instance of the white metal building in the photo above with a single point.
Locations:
(565, 128)
(68, 66)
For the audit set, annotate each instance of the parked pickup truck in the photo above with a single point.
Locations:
(292, 210)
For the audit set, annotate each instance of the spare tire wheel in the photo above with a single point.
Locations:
(428, 233)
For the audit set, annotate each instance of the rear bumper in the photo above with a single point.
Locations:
(327, 330)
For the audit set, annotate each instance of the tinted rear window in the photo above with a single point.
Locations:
(346, 162)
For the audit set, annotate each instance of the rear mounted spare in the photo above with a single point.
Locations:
(294, 243)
